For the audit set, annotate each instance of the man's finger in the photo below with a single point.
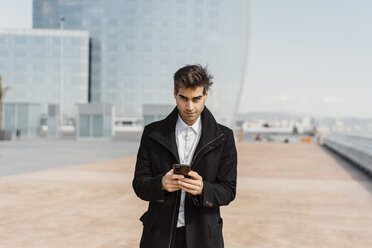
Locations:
(172, 186)
(191, 181)
(172, 182)
(169, 172)
(188, 185)
(177, 176)
(171, 175)
(191, 191)
(195, 175)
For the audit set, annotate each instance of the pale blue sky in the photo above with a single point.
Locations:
(15, 13)
(310, 57)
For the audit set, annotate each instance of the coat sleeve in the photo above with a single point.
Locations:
(147, 186)
(223, 190)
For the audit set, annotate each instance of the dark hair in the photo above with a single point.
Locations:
(192, 76)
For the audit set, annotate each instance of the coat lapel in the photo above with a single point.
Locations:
(165, 133)
(210, 130)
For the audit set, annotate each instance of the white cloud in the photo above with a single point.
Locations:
(333, 99)
(283, 98)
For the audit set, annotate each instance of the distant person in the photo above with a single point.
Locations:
(258, 137)
(18, 133)
(295, 130)
(185, 212)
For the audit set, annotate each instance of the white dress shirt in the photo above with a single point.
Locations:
(187, 138)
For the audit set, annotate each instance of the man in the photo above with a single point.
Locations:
(185, 212)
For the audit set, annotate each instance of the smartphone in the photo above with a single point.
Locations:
(181, 169)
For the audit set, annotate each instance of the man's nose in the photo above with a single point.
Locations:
(189, 105)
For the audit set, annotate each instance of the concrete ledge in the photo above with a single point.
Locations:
(128, 135)
(5, 135)
(356, 148)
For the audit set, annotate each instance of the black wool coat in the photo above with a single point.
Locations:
(215, 159)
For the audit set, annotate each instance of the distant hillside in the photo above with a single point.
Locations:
(320, 121)
(268, 116)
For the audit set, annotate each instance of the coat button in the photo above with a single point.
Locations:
(208, 203)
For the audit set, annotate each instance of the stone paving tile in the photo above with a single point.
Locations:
(289, 195)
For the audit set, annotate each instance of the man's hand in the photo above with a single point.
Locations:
(193, 185)
(169, 181)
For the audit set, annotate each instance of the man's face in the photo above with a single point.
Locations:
(190, 103)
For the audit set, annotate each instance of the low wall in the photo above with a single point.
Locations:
(5, 135)
(356, 148)
(128, 135)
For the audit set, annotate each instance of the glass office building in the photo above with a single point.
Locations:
(94, 120)
(45, 68)
(136, 46)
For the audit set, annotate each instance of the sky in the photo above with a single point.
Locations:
(305, 57)
(15, 13)
(310, 57)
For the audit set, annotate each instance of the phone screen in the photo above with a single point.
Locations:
(181, 169)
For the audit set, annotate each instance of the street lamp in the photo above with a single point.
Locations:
(61, 23)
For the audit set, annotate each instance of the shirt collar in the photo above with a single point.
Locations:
(181, 125)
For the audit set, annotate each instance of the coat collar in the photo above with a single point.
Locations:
(165, 132)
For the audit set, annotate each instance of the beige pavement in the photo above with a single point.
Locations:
(289, 195)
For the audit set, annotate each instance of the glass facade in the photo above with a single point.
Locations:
(31, 63)
(136, 46)
(23, 117)
(95, 120)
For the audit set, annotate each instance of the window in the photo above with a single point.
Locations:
(97, 126)
(84, 125)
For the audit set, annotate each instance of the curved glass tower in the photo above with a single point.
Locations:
(136, 46)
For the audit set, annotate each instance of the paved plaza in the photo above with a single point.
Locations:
(29, 155)
(289, 195)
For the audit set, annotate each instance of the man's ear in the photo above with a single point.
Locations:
(206, 95)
